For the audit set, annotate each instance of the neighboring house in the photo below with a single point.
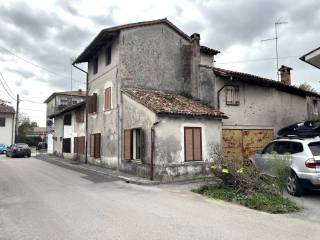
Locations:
(38, 132)
(7, 124)
(69, 134)
(58, 101)
(157, 103)
(313, 57)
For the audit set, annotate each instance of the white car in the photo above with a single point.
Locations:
(305, 157)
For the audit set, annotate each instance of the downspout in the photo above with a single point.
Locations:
(87, 100)
(152, 150)
(218, 93)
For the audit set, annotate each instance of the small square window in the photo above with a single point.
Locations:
(232, 95)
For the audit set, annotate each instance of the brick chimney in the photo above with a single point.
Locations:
(285, 76)
(195, 64)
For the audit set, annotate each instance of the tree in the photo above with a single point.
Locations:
(24, 127)
(307, 87)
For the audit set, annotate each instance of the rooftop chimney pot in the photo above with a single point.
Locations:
(285, 75)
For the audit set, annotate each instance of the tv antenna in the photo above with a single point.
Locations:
(276, 24)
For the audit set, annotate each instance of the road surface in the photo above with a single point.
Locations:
(41, 200)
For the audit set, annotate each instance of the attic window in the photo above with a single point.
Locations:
(95, 65)
(232, 95)
(108, 55)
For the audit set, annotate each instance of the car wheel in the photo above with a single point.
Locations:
(29, 155)
(4, 152)
(294, 187)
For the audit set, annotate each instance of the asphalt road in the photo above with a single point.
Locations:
(40, 200)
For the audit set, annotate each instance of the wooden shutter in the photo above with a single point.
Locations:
(80, 116)
(197, 144)
(188, 144)
(107, 98)
(92, 106)
(75, 145)
(97, 143)
(127, 143)
(192, 144)
(81, 144)
(91, 145)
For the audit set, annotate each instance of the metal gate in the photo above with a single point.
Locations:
(240, 144)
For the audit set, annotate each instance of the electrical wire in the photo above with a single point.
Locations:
(36, 110)
(7, 90)
(7, 84)
(256, 60)
(25, 100)
(39, 66)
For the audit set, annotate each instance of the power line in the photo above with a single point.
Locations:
(257, 60)
(7, 84)
(36, 110)
(24, 100)
(7, 90)
(38, 66)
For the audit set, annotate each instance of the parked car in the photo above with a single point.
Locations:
(18, 150)
(42, 146)
(305, 157)
(3, 148)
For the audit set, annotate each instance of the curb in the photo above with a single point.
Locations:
(124, 178)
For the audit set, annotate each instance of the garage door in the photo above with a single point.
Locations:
(240, 144)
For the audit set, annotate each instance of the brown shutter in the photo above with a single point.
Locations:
(94, 102)
(127, 143)
(91, 145)
(107, 98)
(197, 149)
(81, 144)
(97, 143)
(75, 145)
(188, 144)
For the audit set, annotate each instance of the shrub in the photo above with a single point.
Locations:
(280, 167)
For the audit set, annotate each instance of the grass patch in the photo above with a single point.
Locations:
(266, 202)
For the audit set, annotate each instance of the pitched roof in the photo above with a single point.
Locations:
(109, 33)
(4, 108)
(67, 93)
(253, 79)
(165, 103)
(207, 50)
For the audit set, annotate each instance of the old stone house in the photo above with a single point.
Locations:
(157, 104)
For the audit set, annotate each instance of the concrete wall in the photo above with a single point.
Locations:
(169, 147)
(7, 132)
(58, 135)
(153, 57)
(262, 107)
(136, 115)
(105, 122)
(53, 104)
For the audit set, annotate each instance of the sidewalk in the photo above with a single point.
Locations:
(109, 172)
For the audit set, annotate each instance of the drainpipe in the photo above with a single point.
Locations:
(87, 100)
(218, 93)
(152, 150)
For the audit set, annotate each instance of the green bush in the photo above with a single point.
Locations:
(280, 167)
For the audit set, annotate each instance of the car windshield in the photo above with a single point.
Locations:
(315, 148)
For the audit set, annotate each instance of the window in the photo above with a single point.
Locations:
(133, 143)
(67, 120)
(74, 102)
(93, 103)
(108, 55)
(95, 141)
(268, 149)
(66, 145)
(107, 98)
(95, 65)
(295, 147)
(79, 145)
(192, 144)
(63, 101)
(2, 122)
(80, 116)
(232, 95)
(315, 148)
(315, 106)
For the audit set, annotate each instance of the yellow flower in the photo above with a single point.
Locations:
(213, 167)
(225, 170)
(240, 170)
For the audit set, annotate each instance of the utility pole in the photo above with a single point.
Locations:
(276, 41)
(17, 120)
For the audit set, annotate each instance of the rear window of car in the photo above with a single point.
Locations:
(22, 145)
(315, 148)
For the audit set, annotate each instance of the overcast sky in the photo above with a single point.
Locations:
(50, 33)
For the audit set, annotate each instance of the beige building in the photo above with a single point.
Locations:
(7, 124)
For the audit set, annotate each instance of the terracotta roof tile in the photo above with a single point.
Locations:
(164, 103)
(208, 50)
(4, 108)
